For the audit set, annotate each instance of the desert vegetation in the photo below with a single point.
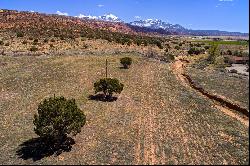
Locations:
(108, 86)
(63, 105)
(151, 94)
(126, 62)
(57, 119)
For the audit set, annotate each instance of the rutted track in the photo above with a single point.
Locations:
(225, 106)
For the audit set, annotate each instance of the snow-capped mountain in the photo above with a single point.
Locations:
(157, 24)
(106, 17)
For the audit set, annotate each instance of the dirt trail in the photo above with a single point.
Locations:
(147, 125)
(226, 107)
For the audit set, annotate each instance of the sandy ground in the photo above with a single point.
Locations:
(241, 69)
(155, 120)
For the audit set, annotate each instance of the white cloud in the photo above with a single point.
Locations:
(100, 5)
(137, 17)
(109, 17)
(105, 17)
(224, 2)
(61, 13)
(32, 11)
(85, 16)
(218, 5)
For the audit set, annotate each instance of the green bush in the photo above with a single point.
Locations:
(108, 86)
(33, 49)
(206, 47)
(25, 42)
(229, 52)
(177, 47)
(85, 46)
(196, 51)
(233, 71)
(213, 52)
(45, 40)
(7, 44)
(220, 61)
(158, 43)
(168, 57)
(126, 62)
(57, 118)
(1, 42)
(19, 34)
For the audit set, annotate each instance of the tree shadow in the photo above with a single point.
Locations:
(123, 67)
(101, 97)
(37, 148)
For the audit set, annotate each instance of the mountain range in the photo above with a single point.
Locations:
(161, 27)
(12, 19)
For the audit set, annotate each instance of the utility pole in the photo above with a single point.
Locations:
(106, 68)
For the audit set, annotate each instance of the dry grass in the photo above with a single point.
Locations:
(223, 84)
(78, 44)
(155, 120)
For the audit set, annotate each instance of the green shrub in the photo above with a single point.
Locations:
(52, 40)
(236, 53)
(233, 71)
(213, 52)
(168, 46)
(177, 47)
(245, 54)
(229, 52)
(51, 45)
(33, 49)
(19, 34)
(1, 42)
(108, 86)
(85, 46)
(35, 40)
(168, 57)
(191, 50)
(158, 43)
(45, 40)
(206, 47)
(196, 51)
(220, 61)
(57, 118)
(24, 42)
(7, 44)
(126, 62)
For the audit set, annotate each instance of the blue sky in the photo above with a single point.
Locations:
(229, 15)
